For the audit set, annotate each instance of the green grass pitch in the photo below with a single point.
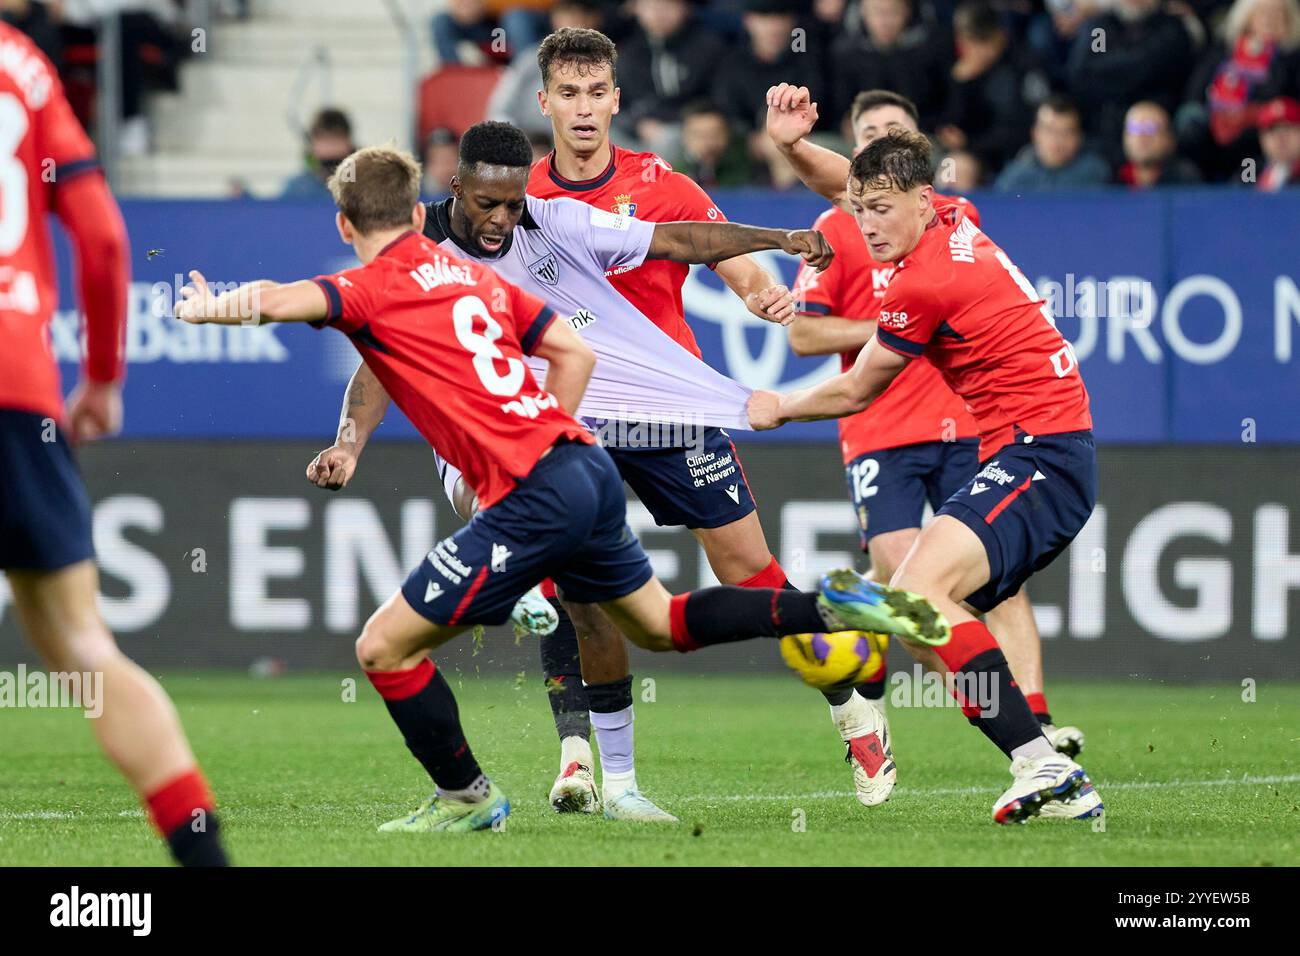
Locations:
(1190, 776)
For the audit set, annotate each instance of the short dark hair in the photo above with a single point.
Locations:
(873, 99)
(977, 19)
(899, 160)
(495, 144)
(585, 49)
(1062, 105)
(376, 188)
(702, 108)
(330, 120)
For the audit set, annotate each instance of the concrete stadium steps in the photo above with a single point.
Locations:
(231, 118)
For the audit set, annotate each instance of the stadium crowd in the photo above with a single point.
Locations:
(1017, 94)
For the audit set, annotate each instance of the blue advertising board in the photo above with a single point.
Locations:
(1184, 308)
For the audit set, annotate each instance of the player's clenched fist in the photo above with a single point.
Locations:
(332, 468)
(811, 245)
(763, 410)
(791, 114)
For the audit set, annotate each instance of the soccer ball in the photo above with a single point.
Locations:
(834, 660)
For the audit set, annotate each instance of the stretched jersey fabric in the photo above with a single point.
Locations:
(961, 302)
(447, 340)
(918, 406)
(560, 251)
(43, 149)
(644, 186)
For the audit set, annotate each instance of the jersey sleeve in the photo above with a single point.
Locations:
(532, 317)
(61, 138)
(909, 315)
(348, 297)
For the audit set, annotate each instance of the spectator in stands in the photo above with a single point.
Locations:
(1055, 157)
(34, 18)
(669, 60)
(890, 47)
(329, 141)
(1051, 32)
(959, 173)
(767, 56)
(711, 153)
(464, 34)
(1217, 123)
(515, 98)
(441, 156)
(1279, 138)
(1150, 151)
(995, 88)
(1140, 53)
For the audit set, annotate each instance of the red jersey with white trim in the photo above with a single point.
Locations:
(645, 186)
(446, 337)
(41, 146)
(959, 300)
(918, 406)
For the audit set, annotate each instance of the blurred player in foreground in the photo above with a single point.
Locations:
(957, 299)
(46, 550)
(562, 251)
(446, 337)
(917, 443)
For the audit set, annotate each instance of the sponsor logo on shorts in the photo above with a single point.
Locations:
(992, 472)
(443, 560)
(500, 555)
(733, 492)
(432, 591)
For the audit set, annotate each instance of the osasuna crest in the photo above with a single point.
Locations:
(546, 269)
(623, 204)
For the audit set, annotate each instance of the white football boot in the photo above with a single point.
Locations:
(1039, 781)
(1084, 805)
(863, 727)
(574, 790)
(1064, 740)
(634, 806)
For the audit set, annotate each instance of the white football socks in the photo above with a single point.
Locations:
(617, 759)
(1040, 746)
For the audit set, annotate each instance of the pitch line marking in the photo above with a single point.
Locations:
(1246, 781)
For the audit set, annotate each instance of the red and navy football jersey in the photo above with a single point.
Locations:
(446, 337)
(961, 302)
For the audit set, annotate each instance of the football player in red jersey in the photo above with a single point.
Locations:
(46, 551)
(957, 299)
(446, 337)
(580, 95)
(917, 443)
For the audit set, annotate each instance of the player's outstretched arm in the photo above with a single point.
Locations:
(844, 394)
(762, 294)
(791, 116)
(829, 334)
(714, 241)
(251, 303)
(364, 405)
(570, 362)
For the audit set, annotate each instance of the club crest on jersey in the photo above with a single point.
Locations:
(546, 269)
(623, 204)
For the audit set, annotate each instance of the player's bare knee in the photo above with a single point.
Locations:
(375, 652)
(81, 649)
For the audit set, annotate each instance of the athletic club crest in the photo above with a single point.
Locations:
(623, 205)
(546, 269)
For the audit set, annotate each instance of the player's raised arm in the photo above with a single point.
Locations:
(791, 116)
(713, 241)
(844, 394)
(252, 303)
(570, 362)
(364, 405)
